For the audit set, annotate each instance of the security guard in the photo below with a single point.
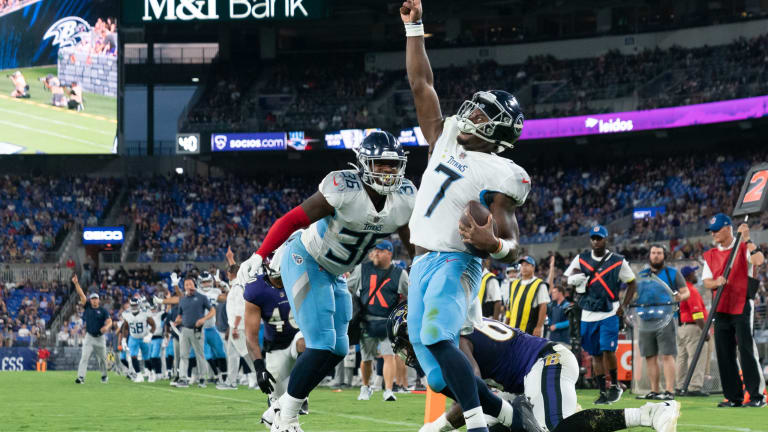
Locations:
(97, 323)
(528, 298)
(490, 292)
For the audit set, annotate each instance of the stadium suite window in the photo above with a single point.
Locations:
(177, 53)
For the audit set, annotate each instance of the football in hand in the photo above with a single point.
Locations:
(479, 213)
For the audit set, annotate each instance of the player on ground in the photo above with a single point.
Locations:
(352, 210)
(543, 371)
(265, 300)
(140, 326)
(463, 166)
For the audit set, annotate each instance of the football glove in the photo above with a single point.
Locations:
(263, 377)
(250, 268)
(174, 279)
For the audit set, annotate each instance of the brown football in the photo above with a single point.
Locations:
(480, 214)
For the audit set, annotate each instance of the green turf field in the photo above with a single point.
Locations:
(33, 401)
(35, 126)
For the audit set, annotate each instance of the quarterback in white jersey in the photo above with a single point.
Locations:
(445, 276)
(352, 210)
(140, 326)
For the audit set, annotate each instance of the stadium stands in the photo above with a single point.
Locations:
(26, 310)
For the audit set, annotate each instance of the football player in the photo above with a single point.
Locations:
(350, 212)
(541, 370)
(463, 166)
(140, 326)
(214, 346)
(265, 300)
(156, 344)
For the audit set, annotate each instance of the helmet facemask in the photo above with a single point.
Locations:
(498, 117)
(383, 183)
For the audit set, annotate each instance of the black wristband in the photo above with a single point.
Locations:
(259, 365)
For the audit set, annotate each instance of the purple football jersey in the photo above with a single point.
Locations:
(280, 327)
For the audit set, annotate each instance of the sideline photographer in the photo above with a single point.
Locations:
(20, 86)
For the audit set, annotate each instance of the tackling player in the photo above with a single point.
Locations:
(265, 300)
(445, 276)
(544, 371)
(141, 326)
(350, 212)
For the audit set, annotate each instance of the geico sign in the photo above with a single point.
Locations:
(103, 235)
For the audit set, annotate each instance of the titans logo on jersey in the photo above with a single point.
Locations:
(505, 354)
(341, 241)
(276, 313)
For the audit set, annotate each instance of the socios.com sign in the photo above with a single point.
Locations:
(221, 142)
(103, 235)
(138, 12)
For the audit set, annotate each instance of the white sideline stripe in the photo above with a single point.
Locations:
(92, 144)
(63, 123)
(347, 416)
(728, 428)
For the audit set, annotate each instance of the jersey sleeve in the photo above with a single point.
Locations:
(515, 182)
(493, 291)
(338, 186)
(251, 293)
(542, 294)
(626, 274)
(706, 272)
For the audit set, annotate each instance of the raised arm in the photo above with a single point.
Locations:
(420, 74)
(79, 289)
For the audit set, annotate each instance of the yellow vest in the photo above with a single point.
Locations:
(483, 284)
(521, 313)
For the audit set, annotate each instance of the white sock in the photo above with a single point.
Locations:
(505, 415)
(632, 417)
(442, 422)
(289, 406)
(475, 418)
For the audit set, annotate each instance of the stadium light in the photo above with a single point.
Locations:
(179, 170)
(195, 79)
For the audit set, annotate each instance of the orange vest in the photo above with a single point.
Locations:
(735, 294)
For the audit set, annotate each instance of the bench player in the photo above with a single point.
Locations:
(463, 166)
(140, 326)
(352, 210)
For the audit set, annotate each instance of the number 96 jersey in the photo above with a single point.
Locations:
(341, 241)
(453, 178)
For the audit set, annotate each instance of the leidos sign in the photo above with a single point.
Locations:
(137, 12)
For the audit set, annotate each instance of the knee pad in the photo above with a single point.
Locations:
(435, 380)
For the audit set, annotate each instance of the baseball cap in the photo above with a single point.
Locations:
(384, 245)
(718, 221)
(93, 296)
(528, 259)
(687, 270)
(598, 231)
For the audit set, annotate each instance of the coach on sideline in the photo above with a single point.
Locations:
(97, 323)
(192, 315)
(735, 312)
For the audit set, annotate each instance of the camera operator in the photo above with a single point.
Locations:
(75, 97)
(20, 86)
(52, 83)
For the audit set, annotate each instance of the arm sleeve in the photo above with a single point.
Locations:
(493, 291)
(282, 229)
(573, 266)
(626, 274)
(561, 325)
(402, 287)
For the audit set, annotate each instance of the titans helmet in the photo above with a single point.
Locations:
(505, 118)
(134, 305)
(204, 280)
(381, 146)
(397, 332)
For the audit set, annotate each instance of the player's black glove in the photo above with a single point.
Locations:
(263, 377)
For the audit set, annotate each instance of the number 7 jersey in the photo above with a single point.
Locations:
(453, 178)
(342, 240)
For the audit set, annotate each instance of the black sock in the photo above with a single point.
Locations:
(593, 420)
(600, 382)
(169, 363)
(461, 380)
(223, 367)
(309, 370)
(214, 366)
(124, 362)
(614, 376)
(380, 366)
(135, 363)
(159, 366)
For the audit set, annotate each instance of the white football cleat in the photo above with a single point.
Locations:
(281, 425)
(152, 377)
(389, 396)
(139, 378)
(365, 393)
(661, 416)
(269, 416)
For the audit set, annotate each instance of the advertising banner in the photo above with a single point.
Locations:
(221, 142)
(103, 235)
(17, 359)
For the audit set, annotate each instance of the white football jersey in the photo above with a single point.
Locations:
(137, 324)
(341, 241)
(453, 178)
(157, 317)
(213, 298)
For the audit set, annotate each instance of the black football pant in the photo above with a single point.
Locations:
(734, 333)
